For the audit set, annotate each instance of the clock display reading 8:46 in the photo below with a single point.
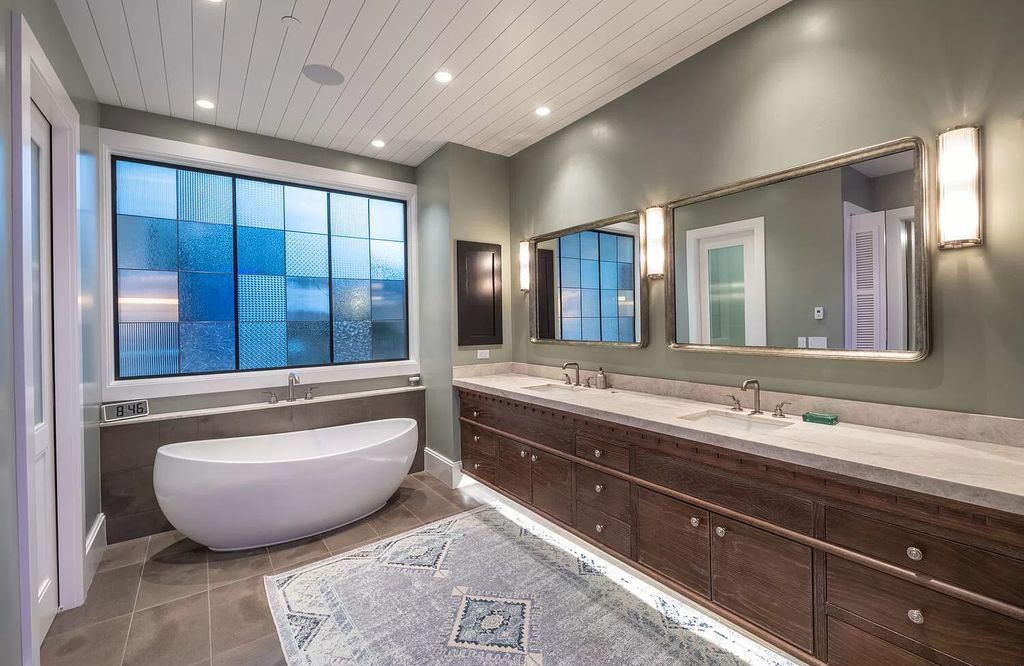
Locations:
(119, 411)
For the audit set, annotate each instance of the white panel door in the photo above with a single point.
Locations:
(865, 282)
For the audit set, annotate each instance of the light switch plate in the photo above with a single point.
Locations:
(483, 353)
(801, 342)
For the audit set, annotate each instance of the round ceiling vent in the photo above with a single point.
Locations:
(324, 75)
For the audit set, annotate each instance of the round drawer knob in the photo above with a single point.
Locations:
(476, 465)
(915, 553)
(598, 488)
(533, 458)
(695, 522)
(522, 454)
(475, 413)
(476, 438)
(720, 531)
(598, 453)
(599, 528)
(916, 616)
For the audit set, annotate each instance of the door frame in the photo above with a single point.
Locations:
(33, 78)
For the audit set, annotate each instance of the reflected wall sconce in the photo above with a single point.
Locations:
(960, 216)
(524, 265)
(654, 223)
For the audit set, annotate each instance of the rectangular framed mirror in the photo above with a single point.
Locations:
(824, 260)
(588, 284)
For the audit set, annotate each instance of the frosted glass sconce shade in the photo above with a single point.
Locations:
(524, 265)
(654, 220)
(960, 187)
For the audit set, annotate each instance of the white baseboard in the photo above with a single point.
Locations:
(95, 544)
(448, 472)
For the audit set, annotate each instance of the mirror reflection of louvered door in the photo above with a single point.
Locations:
(865, 282)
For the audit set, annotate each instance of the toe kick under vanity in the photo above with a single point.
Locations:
(815, 558)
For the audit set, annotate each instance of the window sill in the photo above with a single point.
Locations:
(165, 387)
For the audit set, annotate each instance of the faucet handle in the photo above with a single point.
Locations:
(309, 392)
(568, 379)
(273, 397)
(736, 406)
(778, 409)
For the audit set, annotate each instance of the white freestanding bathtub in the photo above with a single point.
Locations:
(244, 492)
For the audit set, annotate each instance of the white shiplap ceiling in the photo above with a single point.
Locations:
(508, 57)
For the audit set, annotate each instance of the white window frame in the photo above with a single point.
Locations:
(115, 143)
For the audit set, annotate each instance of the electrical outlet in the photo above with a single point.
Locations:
(483, 353)
(819, 312)
(801, 342)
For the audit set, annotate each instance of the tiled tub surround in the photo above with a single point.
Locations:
(128, 449)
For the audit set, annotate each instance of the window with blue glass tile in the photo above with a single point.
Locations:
(596, 281)
(219, 273)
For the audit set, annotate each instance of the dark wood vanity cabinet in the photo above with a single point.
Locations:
(834, 570)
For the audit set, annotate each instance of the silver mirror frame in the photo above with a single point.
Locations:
(643, 287)
(921, 341)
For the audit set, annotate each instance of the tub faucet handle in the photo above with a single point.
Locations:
(309, 392)
(273, 397)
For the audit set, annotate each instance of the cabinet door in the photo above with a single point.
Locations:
(764, 578)
(552, 485)
(672, 538)
(514, 468)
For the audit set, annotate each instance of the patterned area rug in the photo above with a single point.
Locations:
(490, 586)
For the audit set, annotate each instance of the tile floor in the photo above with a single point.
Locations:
(167, 601)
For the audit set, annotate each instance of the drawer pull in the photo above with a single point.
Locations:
(522, 454)
(915, 553)
(533, 458)
(720, 531)
(598, 453)
(598, 488)
(476, 465)
(599, 528)
(475, 413)
(476, 438)
(916, 616)
(695, 522)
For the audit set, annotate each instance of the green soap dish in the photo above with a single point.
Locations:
(823, 419)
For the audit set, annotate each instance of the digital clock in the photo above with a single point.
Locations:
(119, 411)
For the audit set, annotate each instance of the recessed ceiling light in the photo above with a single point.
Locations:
(378, 143)
(542, 111)
(204, 104)
(325, 75)
(443, 77)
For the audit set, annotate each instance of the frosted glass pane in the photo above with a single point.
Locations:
(591, 328)
(609, 303)
(569, 272)
(207, 346)
(591, 302)
(309, 343)
(726, 295)
(260, 251)
(305, 209)
(259, 204)
(305, 254)
(627, 332)
(262, 345)
(148, 243)
(625, 300)
(571, 303)
(609, 275)
(146, 349)
(351, 300)
(609, 248)
(353, 341)
(350, 215)
(625, 249)
(625, 276)
(387, 220)
(610, 329)
(261, 298)
(388, 299)
(308, 299)
(205, 247)
(589, 245)
(350, 258)
(146, 190)
(206, 296)
(569, 246)
(147, 296)
(387, 260)
(572, 328)
(204, 197)
(389, 340)
(589, 278)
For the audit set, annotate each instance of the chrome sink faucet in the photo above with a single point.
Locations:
(293, 379)
(757, 394)
(575, 365)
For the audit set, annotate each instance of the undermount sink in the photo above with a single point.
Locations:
(735, 421)
(566, 388)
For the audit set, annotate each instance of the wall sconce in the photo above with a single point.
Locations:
(654, 222)
(524, 265)
(960, 187)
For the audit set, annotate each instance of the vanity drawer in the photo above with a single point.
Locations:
(957, 628)
(485, 443)
(478, 411)
(849, 646)
(601, 452)
(603, 491)
(674, 538)
(972, 568)
(603, 528)
(478, 465)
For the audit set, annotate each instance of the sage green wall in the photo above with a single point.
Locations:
(813, 79)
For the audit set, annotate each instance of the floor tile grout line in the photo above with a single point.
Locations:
(138, 588)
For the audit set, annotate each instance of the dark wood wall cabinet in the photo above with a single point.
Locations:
(831, 569)
(478, 292)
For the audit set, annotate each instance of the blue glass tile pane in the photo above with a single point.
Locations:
(206, 296)
(305, 210)
(147, 349)
(387, 260)
(625, 280)
(350, 258)
(609, 302)
(569, 246)
(305, 254)
(626, 332)
(609, 275)
(625, 303)
(352, 341)
(610, 329)
(351, 300)
(609, 247)
(262, 345)
(206, 247)
(591, 299)
(308, 299)
(388, 299)
(261, 298)
(350, 215)
(146, 190)
(147, 296)
(260, 251)
(589, 245)
(309, 342)
(147, 242)
(572, 328)
(387, 220)
(569, 272)
(259, 204)
(207, 346)
(571, 303)
(625, 250)
(589, 278)
(389, 340)
(591, 328)
(204, 197)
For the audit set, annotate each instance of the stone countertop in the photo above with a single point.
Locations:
(980, 473)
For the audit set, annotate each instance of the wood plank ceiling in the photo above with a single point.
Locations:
(508, 57)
